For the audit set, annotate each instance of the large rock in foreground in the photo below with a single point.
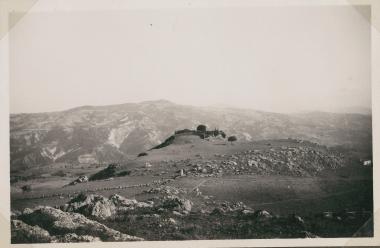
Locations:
(57, 222)
(91, 205)
(24, 233)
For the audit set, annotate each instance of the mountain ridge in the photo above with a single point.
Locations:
(347, 110)
(99, 134)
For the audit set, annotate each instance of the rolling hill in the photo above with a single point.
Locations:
(101, 134)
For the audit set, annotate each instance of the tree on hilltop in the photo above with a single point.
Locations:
(201, 128)
(232, 139)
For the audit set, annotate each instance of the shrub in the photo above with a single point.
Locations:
(223, 134)
(142, 154)
(26, 188)
(232, 139)
(201, 128)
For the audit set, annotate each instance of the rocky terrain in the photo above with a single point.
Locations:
(107, 134)
(169, 216)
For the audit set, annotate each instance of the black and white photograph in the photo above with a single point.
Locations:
(132, 122)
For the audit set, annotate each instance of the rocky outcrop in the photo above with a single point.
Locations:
(58, 222)
(91, 205)
(24, 233)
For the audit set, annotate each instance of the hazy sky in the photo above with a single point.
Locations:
(281, 59)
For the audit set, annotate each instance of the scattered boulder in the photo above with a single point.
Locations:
(177, 204)
(122, 203)
(80, 179)
(252, 163)
(172, 221)
(297, 219)
(248, 212)
(27, 211)
(197, 191)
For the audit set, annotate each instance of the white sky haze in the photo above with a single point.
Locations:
(281, 59)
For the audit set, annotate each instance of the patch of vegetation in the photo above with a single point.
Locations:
(232, 139)
(201, 128)
(167, 142)
(26, 188)
(142, 154)
(108, 172)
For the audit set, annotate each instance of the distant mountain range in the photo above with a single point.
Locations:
(96, 134)
(355, 110)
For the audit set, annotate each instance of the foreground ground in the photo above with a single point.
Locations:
(269, 189)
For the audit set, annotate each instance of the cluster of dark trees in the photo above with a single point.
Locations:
(203, 129)
(110, 171)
